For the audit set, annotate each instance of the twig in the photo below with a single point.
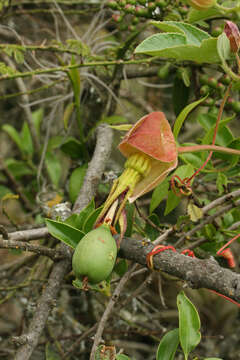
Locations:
(109, 309)
(38, 249)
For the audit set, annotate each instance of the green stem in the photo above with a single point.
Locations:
(66, 68)
(197, 148)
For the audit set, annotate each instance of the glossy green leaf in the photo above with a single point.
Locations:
(64, 232)
(194, 36)
(83, 215)
(175, 46)
(168, 345)
(189, 324)
(67, 114)
(91, 219)
(54, 167)
(172, 199)
(159, 193)
(76, 181)
(183, 115)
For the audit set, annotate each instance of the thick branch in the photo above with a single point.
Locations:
(197, 273)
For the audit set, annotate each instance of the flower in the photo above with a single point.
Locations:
(151, 154)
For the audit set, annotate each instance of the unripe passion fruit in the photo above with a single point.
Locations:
(95, 255)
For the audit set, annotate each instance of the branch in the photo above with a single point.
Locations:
(95, 167)
(197, 273)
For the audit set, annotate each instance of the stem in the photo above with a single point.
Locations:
(197, 148)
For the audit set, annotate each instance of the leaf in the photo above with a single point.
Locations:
(224, 135)
(73, 148)
(159, 193)
(37, 117)
(183, 115)
(82, 216)
(64, 232)
(18, 168)
(172, 199)
(194, 212)
(189, 324)
(196, 15)
(91, 219)
(76, 181)
(223, 47)
(121, 267)
(67, 114)
(193, 35)
(4, 191)
(125, 127)
(14, 135)
(175, 46)
(54, 167)
(168, 345)
(221, 182)
(27, 139)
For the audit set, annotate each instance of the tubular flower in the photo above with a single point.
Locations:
(151, 154)
(201, 4)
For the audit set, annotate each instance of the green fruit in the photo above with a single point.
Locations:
(95, 255)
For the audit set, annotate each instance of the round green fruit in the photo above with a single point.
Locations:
(95, 255)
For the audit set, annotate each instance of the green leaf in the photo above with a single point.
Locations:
(14, 135)
(54, 168)
(159, 193)
(168, 345)
(183, 115)
(91, 219)
(50, 353)
(221, 182)
(37, 117)
(27, 139)
(175, 46)
(74, 76)
(73, 148)
(194, 36)
(4, 191)
(67, 114)
(64, 232)
(173, 200)
(76, 181)
(18, 168)
(130, 210)
(189, 324)
(83, 215)
(196, 15)
(224, 135)
(223, 47)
